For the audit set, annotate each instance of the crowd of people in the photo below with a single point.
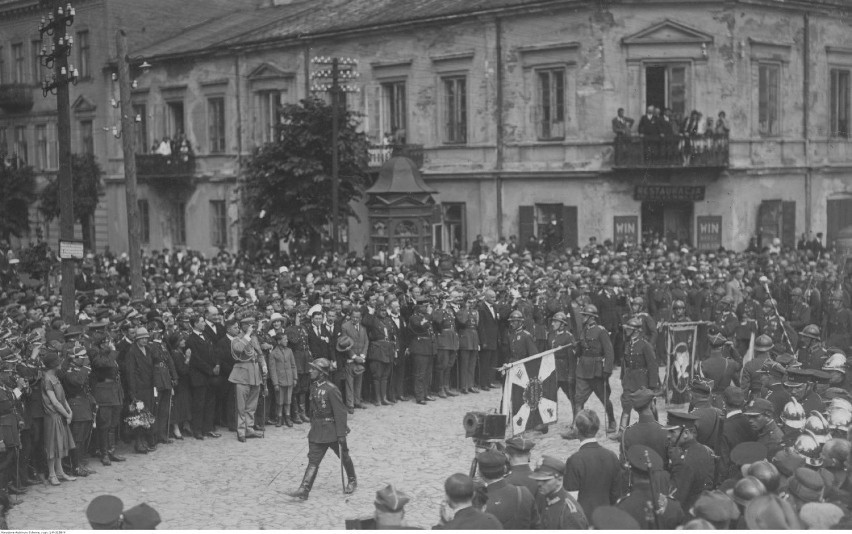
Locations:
(237, 342)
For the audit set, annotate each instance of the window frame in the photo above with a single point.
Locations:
(20, 144)
(837, 101)
(140, 129)
(219, 236)
(217, 142)
(269, 119)
(553, 97)
(394, 114)
(457, 134)
(41, 147)
(87, 143)
(179, 225)
(84, 56)
(38, 75)
(778, 67)
(19, 63)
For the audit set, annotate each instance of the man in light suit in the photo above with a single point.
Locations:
(355, 359)
(249, 375)
(734, 288)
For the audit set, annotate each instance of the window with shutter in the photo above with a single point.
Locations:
(570, 227)
(788, 224)
(526, 224)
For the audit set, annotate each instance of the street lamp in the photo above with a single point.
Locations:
(331, 71)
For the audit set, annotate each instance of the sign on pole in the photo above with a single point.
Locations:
(71, 250)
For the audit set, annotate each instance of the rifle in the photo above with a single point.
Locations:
(654, 493)
(717, 452)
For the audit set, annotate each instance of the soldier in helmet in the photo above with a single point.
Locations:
(328, 428)
(725, 318)
(719, 368)
(594, 365)
(835, 366)
(812, 353)
(776, 327)
(800, 311)
(837, 323)
(639, 369)
(566, 359)
(521, 342)
(649, 325)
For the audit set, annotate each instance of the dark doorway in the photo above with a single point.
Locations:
(655, 87)
(667, 220)
(839, 215)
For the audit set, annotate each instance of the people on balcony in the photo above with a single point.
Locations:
(649, 123)
(723, 128)
(622, 125)
(164, 148)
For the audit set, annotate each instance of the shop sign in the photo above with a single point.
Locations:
(625, 229)
(669, 193)
(709, 232)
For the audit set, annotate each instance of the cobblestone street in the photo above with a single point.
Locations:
(224, 484)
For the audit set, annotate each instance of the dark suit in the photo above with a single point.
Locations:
(736, 430)
(520, 476)
(472, 519)
(320, 345)
(399, 368)
(223, 390)
(140, 383)
(513, 506)
(201, 379)
(214, 334)
(488, 331)
(594, 472)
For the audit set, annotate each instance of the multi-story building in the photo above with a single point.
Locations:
(512, 102)
(28, 133)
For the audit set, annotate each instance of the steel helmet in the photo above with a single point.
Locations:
(590, 309)
(796, 292)
(818, 426)
(809, 448)
(678, 304)
(634, 323)
(835, 362)
(840, 402)
(322, 365)
(765, 472)
(560, 317)
(763, 343)
(746, 489)
(811, 331)
(793, 415)
(638, 300)
(516, 316)
(839, 418)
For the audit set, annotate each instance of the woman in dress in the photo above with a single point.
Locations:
(58, 442)
(182, 401)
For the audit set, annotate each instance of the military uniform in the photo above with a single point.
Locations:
(467, 320)
(812, 357)
(297, 340)
(594, 368)
(10, 434)
(447, 344)
(723, 371)
(669, 512)
(521, 345)
(423, 348)
(561, 512)
(76, 383)
(639, 370)
(109, 396)
(566, 362)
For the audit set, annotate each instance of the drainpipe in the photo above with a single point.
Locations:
(806, 113)
(238, 240)
(498, 110)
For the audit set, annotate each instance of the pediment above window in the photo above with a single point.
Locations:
(83, 105)
(668, 40)
(268, 71)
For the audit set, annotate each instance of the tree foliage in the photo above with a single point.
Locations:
(288, 181)
(17, 192)
(86, 174)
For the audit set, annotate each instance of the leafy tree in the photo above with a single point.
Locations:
(86, 174)
(37, 260)
(17, 192)
(288, 181)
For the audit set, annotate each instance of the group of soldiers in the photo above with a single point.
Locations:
(197, 348)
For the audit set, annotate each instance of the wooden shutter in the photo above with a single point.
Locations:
(768, 222)
(569, 226)
(788, 224)
(373, 113)
(839, 216)
(526, 224)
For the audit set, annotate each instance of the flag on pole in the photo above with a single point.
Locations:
(749, 356)
(529, 392)
(681, 363)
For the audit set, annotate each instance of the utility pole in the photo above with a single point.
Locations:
(58, 20)
(127, 144)
(339, 69)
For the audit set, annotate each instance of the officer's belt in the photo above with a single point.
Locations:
(637, 366)
(448, 329)
(328, 419)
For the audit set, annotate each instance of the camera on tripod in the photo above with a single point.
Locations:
(484, 426)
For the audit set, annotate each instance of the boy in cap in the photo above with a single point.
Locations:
(518, 452)
(513, 506)
(645, 463)
(557, 508)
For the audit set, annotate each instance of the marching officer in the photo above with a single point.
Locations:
(649, 325)
(328, 429)
(639, 369)
(812, 353)
(521, 342)
(422, 348)
(594, 366)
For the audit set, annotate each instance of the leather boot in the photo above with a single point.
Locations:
(302, 415)
(349, 467)
(442, 392)
(280, 420)
(377, 393)
(307, 483)
(622, 424)
(287, 420)
(386, 401)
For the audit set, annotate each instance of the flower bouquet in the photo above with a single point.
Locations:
(138, 416)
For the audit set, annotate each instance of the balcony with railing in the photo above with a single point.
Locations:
(176, 169)
(16, 97)
(381, 153)
(636, 152)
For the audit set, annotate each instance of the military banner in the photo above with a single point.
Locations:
(682, 340)
(529, 392)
